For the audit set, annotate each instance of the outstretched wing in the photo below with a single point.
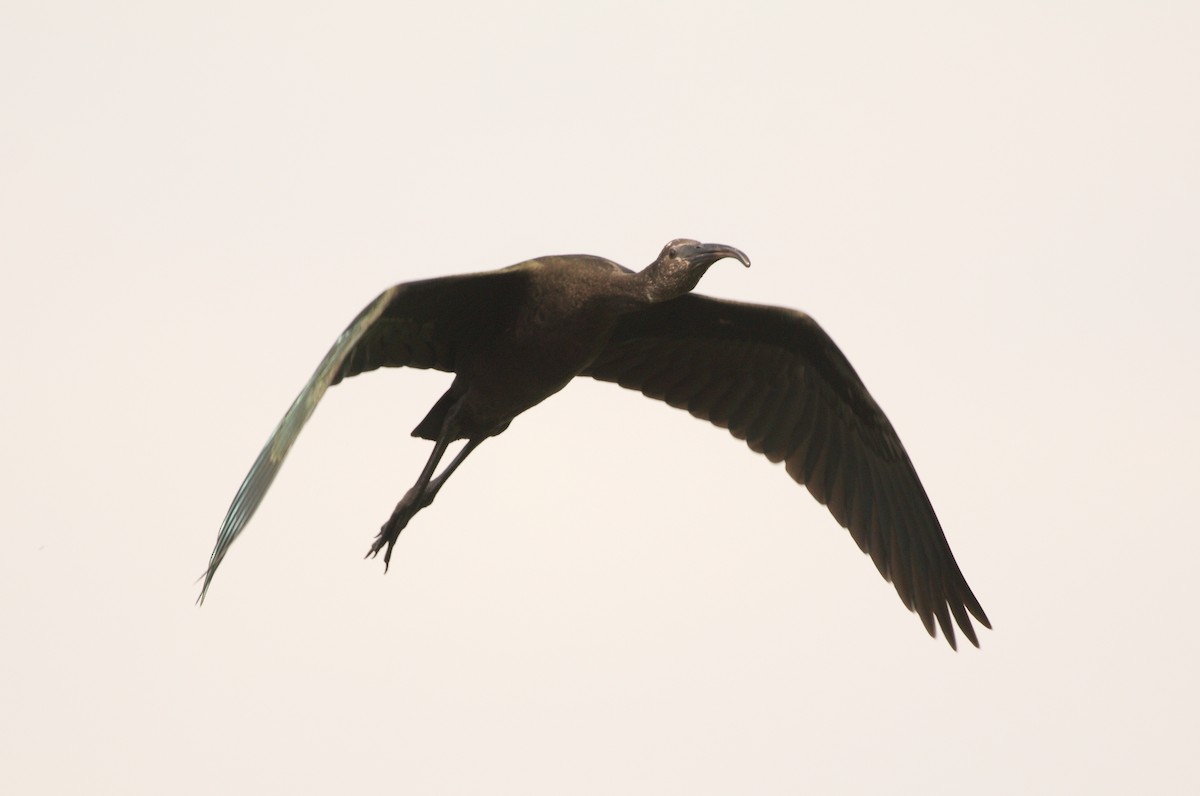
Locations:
(776, 380)
(417, 324)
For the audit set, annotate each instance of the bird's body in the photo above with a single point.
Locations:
(567, 309)
(516, 336)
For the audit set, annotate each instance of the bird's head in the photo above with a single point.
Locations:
(681, 264)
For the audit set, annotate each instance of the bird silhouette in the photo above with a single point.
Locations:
(771, 376)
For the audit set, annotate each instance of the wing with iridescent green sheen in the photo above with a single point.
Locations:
(420, 324)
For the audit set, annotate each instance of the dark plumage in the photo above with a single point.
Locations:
(515, 336)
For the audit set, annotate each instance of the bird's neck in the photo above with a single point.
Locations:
(658, 282)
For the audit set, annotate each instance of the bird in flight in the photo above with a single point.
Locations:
(771, 376)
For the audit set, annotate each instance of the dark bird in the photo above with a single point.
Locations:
(516, 336)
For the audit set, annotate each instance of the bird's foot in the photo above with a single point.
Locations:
(388, 534)
(390, 531)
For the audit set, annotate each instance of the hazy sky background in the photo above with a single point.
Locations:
(993, 208)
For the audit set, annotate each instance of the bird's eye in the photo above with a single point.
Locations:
(671, 252)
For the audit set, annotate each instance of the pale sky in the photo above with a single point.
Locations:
(994, 209)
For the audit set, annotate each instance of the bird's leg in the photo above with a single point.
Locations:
(408, 505)
(418, 497)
